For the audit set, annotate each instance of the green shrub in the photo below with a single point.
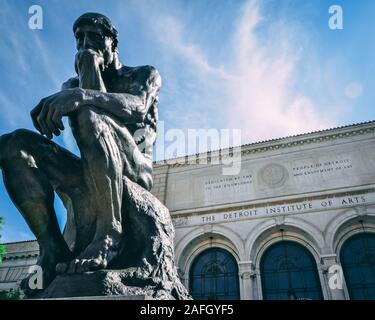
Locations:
(12, 294)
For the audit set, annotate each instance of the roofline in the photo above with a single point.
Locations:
(275, 140)
(15, 242)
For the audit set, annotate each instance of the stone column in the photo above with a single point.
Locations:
(333, 277)
(246, 277)
(183, 278)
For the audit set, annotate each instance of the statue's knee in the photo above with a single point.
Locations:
(12, 143)
(17, 138)
(21, 135)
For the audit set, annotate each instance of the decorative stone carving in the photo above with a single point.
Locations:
(273, 175)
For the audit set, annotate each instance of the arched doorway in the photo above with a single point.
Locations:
(357, 259)
(289, 272)
(214, 276)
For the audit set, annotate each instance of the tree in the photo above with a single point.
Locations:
(2, 247)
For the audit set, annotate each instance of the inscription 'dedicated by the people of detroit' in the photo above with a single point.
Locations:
(240, 183)
(230, 182)
(322, 167)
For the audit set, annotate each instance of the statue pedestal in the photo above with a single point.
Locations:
(113, 297)
(145, 265)
(100, 285)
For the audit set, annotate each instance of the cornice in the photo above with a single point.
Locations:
(272, 145)
(25, 255)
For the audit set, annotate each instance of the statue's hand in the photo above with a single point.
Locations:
(88, 57)
(47, 115)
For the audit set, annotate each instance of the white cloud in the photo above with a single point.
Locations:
(256, 90)
(171, 32)
(263, 104)
(190, 82)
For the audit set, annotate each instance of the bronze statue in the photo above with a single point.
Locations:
(112, 111)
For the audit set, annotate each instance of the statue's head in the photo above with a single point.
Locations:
(95, 31)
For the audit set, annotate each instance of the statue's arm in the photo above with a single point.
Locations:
(130, 108)
(70, 83)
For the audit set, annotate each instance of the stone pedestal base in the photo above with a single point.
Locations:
(144, 265)
(128, 298)
(100, 285)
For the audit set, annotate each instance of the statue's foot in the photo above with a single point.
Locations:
(96, 256)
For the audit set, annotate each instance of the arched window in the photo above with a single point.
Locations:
(358, 262)
(214, 276)
(288, 271)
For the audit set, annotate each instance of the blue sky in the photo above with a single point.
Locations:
(271, 68)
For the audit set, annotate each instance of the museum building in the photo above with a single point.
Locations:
(296, 222)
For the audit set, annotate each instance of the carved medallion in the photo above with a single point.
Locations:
(273, 175)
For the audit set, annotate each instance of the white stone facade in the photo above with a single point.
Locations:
(16, 263)
(316, 189)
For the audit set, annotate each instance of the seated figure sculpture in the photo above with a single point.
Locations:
(112, 111)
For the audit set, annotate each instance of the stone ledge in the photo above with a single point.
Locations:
(110, 297)
(105, 284)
